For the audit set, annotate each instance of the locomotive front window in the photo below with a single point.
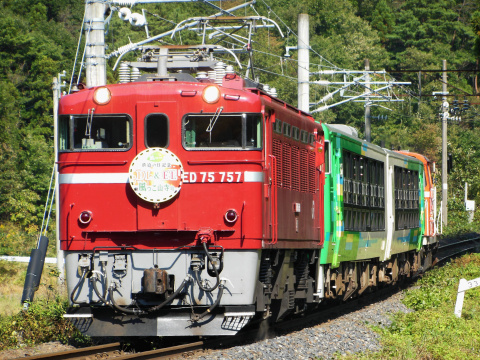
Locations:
(156, 130)
(94, 133)
(222, 131)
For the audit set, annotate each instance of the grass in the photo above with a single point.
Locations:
(43, 321)
(12, 279)
(433, 331)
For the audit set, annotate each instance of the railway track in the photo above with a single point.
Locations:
(106, 350)
(114, 351)
(448, 249)
(452, 247)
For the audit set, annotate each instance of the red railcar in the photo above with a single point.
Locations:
(187, 207)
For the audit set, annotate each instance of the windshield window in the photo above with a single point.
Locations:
(94, 133)
(222, 131)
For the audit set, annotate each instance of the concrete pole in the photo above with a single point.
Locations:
(60, 255)
(303, 63)
(95, 64)
(444, 144)
(368, 136)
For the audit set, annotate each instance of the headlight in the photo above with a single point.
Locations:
(211, 94)
(102, 96)
(231, 216)
(85, 217)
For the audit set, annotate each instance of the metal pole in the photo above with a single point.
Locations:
(444, 144)
(303, 63)
(60, 255)
(368, 136)
(95, 67)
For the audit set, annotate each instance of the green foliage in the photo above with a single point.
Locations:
(397, 35)
(33, 49)
(432, 331)
(42, 322)
(383, 19)
(15, 240)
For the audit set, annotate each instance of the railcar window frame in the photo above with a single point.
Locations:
(304, 136)
(146, 129)
(277, 126)
(328, 159)
(407, 202)
(67, 139)
(242, 143)
(287, 128)
(363, 208)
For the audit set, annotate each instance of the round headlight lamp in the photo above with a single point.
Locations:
(211, 94)
(231, 216)
(85, 217)
(102, 96)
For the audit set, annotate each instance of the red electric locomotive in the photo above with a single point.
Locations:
(187, 205)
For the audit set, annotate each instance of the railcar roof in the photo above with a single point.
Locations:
(344, 131)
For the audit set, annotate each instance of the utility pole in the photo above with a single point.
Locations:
(95, 65)
(368, 136)
(57, 91)
(303, 63)
(444, 144)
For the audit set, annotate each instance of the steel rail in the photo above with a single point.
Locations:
(163, 353)
(104, 350)
(83, 353)
(452, 249)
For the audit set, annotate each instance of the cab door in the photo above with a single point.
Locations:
(270, 185)
(156, 127)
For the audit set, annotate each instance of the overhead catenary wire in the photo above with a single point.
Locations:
(290, 30)
(45, 216)
(283, 60)
(78, 49)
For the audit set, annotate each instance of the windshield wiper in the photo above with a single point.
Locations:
(213, 121)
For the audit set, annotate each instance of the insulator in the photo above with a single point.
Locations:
(124, 13)
(137, 19)
(212, 75)
(135, 74)
(201, 75)
(266, 88)
(124, 73)
(220, 72)
(229, 70)
(125, 48)
(124, 2)
(273, 92)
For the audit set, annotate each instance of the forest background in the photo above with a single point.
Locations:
(38, 40)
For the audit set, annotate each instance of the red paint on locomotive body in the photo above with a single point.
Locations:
(233, 174)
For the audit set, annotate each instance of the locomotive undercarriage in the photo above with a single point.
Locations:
(352, 279)
(292, 281)
(162, 293)
(286, 283)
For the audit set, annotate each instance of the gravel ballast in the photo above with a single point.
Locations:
(347, 334)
